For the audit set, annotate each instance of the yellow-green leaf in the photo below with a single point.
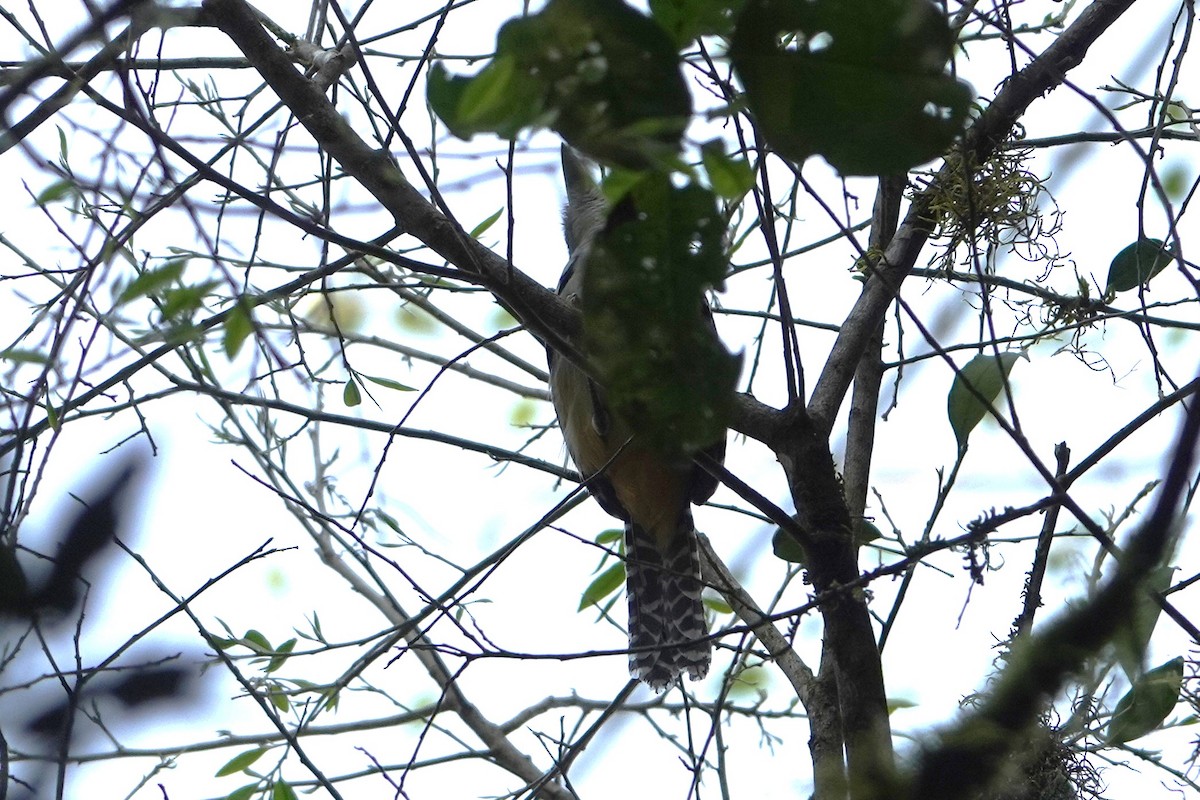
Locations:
(281, 655)
(241, 761)
(153, 280)
(256, 641)
(238, 326)
(718, 605)
(282, 790)
(55, 191)
(351, 396)
(610, 536)
(478, 230)
(21, 356)
(730, 177)
(605, 584)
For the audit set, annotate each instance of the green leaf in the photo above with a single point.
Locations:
(153, 280)
(1147, 703)
(20, 356)
(388, 383)
(351, 396)
(257, 642)
(610, 536)
(179, 304)
(986, 374)
(730, 177)
(718, 605)
(55, 191)
(1132, 638)
(282, 790)
(243, 793)
(1135, 265)
(62, 144)
(279, 700)
(605, 584)
(785, 547)
(241, 761)
(897, 703)
(478, 230)
(860, 82)
(281, 655)
(238, 325)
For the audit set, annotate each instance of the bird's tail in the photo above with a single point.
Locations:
(666, 615)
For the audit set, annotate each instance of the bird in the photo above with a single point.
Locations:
(651, 492)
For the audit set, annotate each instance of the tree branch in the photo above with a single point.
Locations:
(1044, 73)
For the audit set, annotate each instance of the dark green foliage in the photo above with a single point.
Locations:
(861, 83)
(665, 372)
(603, 76)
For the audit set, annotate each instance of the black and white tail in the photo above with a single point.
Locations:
(667, 631)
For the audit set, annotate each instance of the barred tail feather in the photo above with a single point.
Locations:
(666, 616)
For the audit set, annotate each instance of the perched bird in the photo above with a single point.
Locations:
(649, 491)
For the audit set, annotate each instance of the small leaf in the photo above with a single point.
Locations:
(605, 584)
(1147, 703)
(1137, 264)
(986, 374)
(478, 230)
(785, 547)
(153, 280)
(238, 325)
(62, 144)
(243, 793)
(351, 396)
(257, 642)
(610, 536)
(282, 790)
(866, 532)
(281, 655)
(279, 700)
(388, 383)
(718, 605)
(55, 191)
(20, 356)
(180, 303)
(897, 703)
(730, 177)
(52, 416)
(240, 762)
